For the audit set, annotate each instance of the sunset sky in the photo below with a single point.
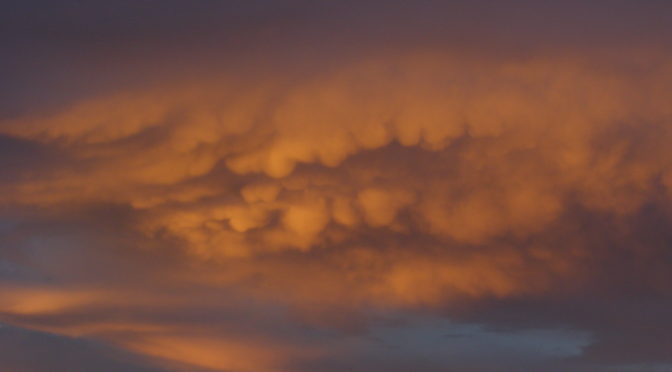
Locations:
(335, 186)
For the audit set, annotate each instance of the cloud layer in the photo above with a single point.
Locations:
(243, 205)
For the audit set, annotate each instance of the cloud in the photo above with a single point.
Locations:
(226, 211)
(33, 351)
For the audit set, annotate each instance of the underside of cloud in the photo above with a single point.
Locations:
(424, 180)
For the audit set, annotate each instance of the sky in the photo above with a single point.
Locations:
(330, 186)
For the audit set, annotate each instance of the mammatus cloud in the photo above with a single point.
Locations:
(427, 180)
(258, 218)
(485, 148)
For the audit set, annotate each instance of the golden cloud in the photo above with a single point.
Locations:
(421, 180)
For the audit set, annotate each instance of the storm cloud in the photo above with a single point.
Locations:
(350, 186)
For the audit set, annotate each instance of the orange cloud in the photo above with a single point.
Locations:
(425, 180)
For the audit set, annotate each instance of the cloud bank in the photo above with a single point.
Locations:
(274, 191)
